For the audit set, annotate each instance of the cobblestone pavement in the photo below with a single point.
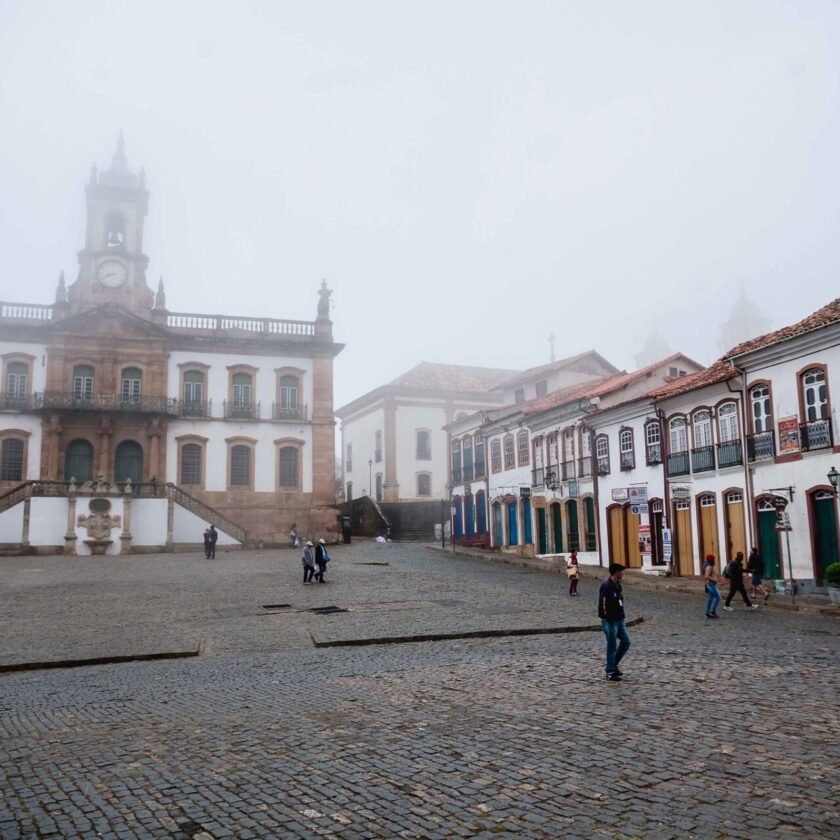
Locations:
(720, 729)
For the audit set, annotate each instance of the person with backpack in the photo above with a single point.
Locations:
(736, 582)
(755, 566)
(712, 592)
(321, 560)
(308, 560)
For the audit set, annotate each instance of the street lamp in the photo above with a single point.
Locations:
(834, 478)
(370, 475)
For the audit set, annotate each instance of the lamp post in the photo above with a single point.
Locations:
(370, 475)
(834, 478)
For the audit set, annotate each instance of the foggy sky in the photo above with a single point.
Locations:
(468, 176)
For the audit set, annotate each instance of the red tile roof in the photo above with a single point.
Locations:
(431, 376)
(719, 371)
(828, 314)
(530, 373)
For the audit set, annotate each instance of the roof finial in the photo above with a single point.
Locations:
(160, 296)
(324, 302)
(61, 290)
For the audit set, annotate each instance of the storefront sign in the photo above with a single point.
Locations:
(619, 494)
(637, 495)
(666, 545)
(789, 434)
(680, 492)
(640, 510)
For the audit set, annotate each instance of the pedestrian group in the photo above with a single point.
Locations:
(314, 559)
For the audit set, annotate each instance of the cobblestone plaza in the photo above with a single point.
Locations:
(290, 723)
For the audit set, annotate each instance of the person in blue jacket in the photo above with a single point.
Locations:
(611, 613)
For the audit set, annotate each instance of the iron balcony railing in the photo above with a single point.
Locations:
(729, 454)
(567, 470)
(603, 466)
(585, 467)
(195, 408)
(537, 476)
(241, 410)
(457, 475)
(285, 412)
(628, 461)
(761, 446)
(678, 464)
(52, 400)
(653, 455)
(815, 435)
(702, 459)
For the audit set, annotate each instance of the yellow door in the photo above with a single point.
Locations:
(617, 539)
(709, 543)
(634, 557)
(682, 538)
(736, 535)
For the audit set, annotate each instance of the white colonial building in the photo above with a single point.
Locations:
(227, 417)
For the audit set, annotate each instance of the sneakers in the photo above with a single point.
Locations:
(619, 673)
(713, 615)
(613, 677)
(728, 609)
(753, 606)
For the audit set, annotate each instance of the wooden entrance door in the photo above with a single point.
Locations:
(736, 535)
(618, 541)
(682, 538)
(768, 540)
(631, 524)
(709, 542)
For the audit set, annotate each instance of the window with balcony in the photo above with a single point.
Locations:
(457, 472)
(602, 454)
(537, 460)
(480, 465)
(625, 449)
(289, 396)
(815, 432)
(523, 448)
(585, 466)
(17, 381)
(131, 385)
(729, 440)
(467, 451)
(761, 443)
(678, 463)
(567, 469)
(242, 387)
(424, 445)
(702, 454)
(82, 383)
(193, 404)
(496, 456)
(653, 443)
(510, 453)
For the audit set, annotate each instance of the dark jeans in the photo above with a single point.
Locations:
(573, 586)
(319, 575)
(738, 586)
(615, 631)
(212, 554)
(308, 571)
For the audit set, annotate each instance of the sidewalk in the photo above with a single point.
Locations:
(812, 604)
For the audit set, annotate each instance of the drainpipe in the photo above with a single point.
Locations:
(665, 441)
(748, 478)
(597, 496)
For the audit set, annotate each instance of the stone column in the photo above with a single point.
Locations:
(70, 535)
(154, 447)
(105, 432)
(322, 457)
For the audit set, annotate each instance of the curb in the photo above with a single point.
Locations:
(97, 660)
(472, 634)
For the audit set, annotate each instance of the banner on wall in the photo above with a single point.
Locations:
(788, 434)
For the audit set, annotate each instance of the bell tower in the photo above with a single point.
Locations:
(112, 265)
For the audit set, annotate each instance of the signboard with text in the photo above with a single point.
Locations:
(680, 492)
(637, 495)
(666, 545)
(788, 434)
(619, 494)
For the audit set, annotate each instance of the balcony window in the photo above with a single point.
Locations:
(523, 447)
(510, 455)
(456, 462)
(496, 456)
(467, 451)
(130, 387)
(678, 435)
(17, 381)
(815, 395)
(653, 443)
(815, 435)
(761, 446)
(289, 405)
(762, 415)
(602, 454)
(678, 464)
(82, 383)
(626, 451)
(480, 466)
(193, 404)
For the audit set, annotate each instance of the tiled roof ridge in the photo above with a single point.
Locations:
(556, 365)
(404, 380)
(822, 317)
(718, 371)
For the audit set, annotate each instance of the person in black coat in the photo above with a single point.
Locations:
(321, 560)
(736, 583)
(214, 536)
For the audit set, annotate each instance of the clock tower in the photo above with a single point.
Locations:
(112, 265)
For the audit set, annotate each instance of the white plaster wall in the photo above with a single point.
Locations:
(39, 351)
(361, 433)
(189, 528)
(148, 521)
(47, 521)
(11, 524)
(409, 420)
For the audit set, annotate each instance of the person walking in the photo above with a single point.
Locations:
(293, 536)
(736, 582)
(214, 536)
(308, 560)
(611, 613)
(321, 560)
(207, 543)
(755, 566)
(712, 592)
(573, 571)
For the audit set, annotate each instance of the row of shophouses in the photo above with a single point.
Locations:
(657, 468)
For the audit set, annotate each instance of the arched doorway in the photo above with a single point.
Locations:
(590, 542)
(78, 461)
(573, 525)
(481, 512)
(513, 530)
(616, 535)
(457, 518)
(542, 536)
(682, 537)
(736, 535)
(557, 527)
(823, 530)
(768, 539)
(469, 512)
(128, 462)
(707, 517)
(527, 534)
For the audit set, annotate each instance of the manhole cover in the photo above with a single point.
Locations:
(327, 610)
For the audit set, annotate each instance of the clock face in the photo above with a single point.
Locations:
(112, 273)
